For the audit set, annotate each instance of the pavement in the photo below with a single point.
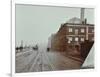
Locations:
(41, 60)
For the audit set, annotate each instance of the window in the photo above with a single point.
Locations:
(76, 38)
(82, 39)
(82, 31)
(69, 39)
(70, 29)
(92, 30)
(76, 31)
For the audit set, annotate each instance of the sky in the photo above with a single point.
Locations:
(35, 24)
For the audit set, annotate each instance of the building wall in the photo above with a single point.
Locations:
(79, 32)
(60, 41)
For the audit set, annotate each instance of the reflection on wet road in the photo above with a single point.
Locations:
(36, 61)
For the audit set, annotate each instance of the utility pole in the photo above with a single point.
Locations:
(21, 46)
(21, 43)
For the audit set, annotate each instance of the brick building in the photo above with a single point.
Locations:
(58, 40)
(72, 33)
(77, 33)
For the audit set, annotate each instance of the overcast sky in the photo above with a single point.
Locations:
(34, 24)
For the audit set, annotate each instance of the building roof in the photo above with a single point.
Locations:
(74, 20)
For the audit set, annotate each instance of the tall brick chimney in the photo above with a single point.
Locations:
(82, 15)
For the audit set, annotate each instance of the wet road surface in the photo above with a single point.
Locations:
(37, 61)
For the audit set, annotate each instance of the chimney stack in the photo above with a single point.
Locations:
(85, 22)
(82, 15)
